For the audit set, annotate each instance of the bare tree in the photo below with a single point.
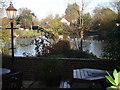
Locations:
(3, 4)
(116, 6)
(83, 4)
(77, 26)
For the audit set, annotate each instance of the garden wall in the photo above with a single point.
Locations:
(31, 66)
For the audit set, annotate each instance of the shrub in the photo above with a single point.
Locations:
(115, 80)
(62, 49)
(112, 49)
(78, 54)
(60, 46)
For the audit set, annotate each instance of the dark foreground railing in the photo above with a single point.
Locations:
(35, 68)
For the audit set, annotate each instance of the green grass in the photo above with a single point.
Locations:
(29, 33)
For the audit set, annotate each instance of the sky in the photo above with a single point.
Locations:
(43, 8)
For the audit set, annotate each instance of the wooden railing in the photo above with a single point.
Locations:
(30, 66)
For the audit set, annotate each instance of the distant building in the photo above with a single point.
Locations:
(1, 27)
(18, 26)
(63, 20)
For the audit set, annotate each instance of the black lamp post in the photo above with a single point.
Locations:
(11, 13)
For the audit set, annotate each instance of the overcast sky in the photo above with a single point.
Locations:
(43, 8)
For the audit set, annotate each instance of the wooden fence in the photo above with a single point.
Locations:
(30, 66)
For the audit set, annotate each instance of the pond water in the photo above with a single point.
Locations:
(92, 46)
(95, 47)
(25, 45)
(28, 49)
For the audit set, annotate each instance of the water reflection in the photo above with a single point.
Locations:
(24, 45)
(29, 49)
(95, 47)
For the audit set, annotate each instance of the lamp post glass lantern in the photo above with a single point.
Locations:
(11, 13)
(118, 24)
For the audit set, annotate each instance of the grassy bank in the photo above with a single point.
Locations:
(29, 33)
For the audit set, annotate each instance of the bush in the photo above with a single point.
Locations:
(60, 46)
(62, 49)
(114, 80)
(112, 49)
(77, 54)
